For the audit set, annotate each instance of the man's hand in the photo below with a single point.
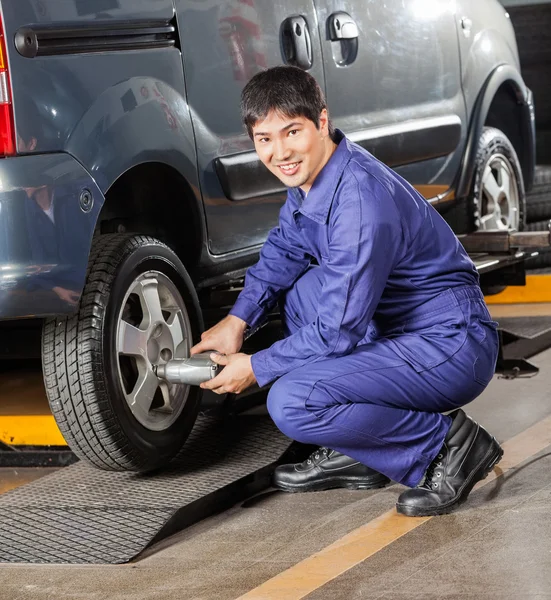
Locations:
(236, 376)
(225, 337)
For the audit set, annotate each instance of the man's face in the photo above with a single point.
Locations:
(293, 148)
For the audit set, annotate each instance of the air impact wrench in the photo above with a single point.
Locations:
(189, 371)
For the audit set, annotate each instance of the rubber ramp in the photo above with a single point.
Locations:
(80, 514)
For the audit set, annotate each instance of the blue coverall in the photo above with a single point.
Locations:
(388, 331)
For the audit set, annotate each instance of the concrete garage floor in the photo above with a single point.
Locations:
(274, 546)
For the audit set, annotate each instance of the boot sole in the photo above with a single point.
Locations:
(334, 483)
(493, 456)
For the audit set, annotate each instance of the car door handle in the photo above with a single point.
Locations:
(297, 44)
(342, 27)
(466, 26)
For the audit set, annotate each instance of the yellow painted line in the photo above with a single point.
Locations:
(11, 483)
(319, 569)
(30, 430)
(537, 289)
(536, 309)
(7, 486)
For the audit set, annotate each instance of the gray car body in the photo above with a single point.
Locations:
(134, 137)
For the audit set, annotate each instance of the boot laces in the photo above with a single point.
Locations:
(318, 455)
(432, 476)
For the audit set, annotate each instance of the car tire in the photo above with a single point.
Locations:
(498, 195)
(138, 308)
(542, 177)
(538, 201)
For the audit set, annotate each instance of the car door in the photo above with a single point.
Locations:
(224, 43)
(393, 84)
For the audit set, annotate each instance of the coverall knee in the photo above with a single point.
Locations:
(381, 404)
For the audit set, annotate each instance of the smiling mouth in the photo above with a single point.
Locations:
(289, 168)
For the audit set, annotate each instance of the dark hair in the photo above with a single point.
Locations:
(286, 90)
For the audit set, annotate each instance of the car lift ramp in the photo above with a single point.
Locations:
(499, 258)
(499, 255)
(81, 514)
(521, 338)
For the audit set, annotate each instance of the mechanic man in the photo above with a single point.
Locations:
(385, 323)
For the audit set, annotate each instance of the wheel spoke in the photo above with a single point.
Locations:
(497, 212)
(506, 214)
(167, 397)
(173, 336)
(131, 340)
(151, 302)
(142, 395)
(505, 180)
(490, 185)
(176, 330)
(488, 221)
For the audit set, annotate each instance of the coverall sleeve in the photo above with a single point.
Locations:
(365, 238)
(282, 260)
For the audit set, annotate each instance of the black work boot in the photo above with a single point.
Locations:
(469, 453)
(325, 469)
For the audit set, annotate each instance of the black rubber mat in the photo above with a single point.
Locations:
(80, 514)
(526, 327)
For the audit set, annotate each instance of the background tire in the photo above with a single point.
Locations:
(542, 177)
(138, 308)
(466, 215)
(498, 196)
(538, 201)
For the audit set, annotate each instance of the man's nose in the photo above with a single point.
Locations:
(281, 150)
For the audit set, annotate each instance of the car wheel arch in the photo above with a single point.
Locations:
(502, 80)
(154, 198)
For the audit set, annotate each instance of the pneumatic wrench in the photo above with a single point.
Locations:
(189, 371)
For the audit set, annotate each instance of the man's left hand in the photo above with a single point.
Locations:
(236, 376)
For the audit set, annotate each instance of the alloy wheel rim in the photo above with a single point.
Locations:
(498, 201)
(153, 327)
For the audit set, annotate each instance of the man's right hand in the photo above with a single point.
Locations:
(225, 337)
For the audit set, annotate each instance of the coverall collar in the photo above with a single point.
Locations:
(318, 202)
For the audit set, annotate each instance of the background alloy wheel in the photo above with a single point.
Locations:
(138, 309)
(499, 204)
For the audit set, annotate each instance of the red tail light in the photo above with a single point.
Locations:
(7, 132)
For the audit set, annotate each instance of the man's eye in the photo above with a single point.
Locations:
(264, 140)
(293, 132)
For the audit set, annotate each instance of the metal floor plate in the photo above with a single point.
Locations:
(526, 327)
(83, 515)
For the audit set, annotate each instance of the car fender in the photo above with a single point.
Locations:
(139, 120)
(40, 254)
(489, 49)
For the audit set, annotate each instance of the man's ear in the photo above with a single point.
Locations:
(324, 122)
